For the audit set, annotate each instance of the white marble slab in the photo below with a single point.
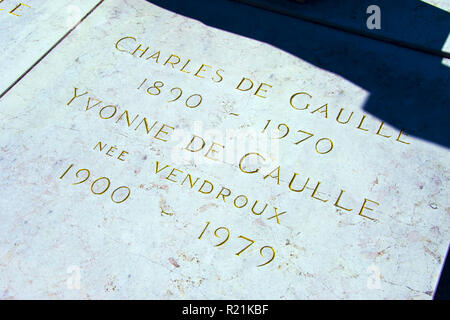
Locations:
(30, 28)
(60, 240)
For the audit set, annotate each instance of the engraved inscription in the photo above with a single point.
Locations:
(13, 8)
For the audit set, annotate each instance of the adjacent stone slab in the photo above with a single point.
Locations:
(29, 29)
(160, 158)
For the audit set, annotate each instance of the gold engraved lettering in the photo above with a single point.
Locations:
(210, 185)
(379, 130)
(338, 199)
(200, 70)
(339, 115)
(258, 213)
(17, 8)
(127, 117)
(121, 155)
(142, 50)
(296, 94)
(207, 188)
(146, 125)
(112, 149)
(236, 200)
(139, 49)
(292, 181)
(212, 150)
(251, 242)
(228, 235)
(271, 259)
(277, 215)
(246, 84)
(172, 63)
(190, 181)
(277, 169)
(192, 141)
(323, 111)
(242, 81)
(88, 106)
(220, 76)
(161, 130)
(361, 123)
(172, 174)
(260, 88)
(402, 132)
(157, 167)
(122, 39)
(367, 208)
(245, 156)
(99, 144)
(155, 56)
(224, 195)
(182, 69)
(106, 107)
(75, 96)
(315, 191)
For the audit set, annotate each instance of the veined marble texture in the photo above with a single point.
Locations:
(28, 29)
(356, 209)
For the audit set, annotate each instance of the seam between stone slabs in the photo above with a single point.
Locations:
(50, 50)
(400, 43)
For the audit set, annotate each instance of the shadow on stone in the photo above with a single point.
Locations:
(408, 89)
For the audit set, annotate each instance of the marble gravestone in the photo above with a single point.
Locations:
(149, 156)
(30, 28)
